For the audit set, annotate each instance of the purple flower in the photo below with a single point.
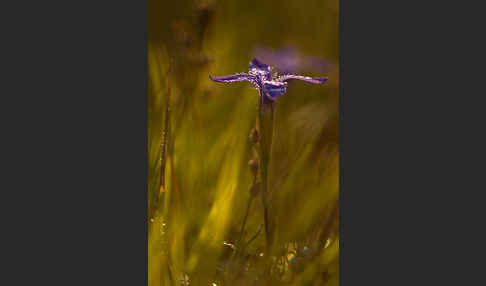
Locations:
(289, 60)
(260, 75)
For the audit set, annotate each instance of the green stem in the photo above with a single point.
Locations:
(266, 117)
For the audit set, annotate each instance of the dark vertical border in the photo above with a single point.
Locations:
(404, 174)
(76, 167)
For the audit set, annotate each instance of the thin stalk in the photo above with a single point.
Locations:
(254, 236)
(250, 199)
(266, 114)
(245, 218)
(266, 117)
(165, 139)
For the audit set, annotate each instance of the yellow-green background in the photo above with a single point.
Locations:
(207, 172)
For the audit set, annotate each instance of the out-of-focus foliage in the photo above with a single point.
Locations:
(194, 228)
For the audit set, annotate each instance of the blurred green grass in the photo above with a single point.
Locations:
(207, 173)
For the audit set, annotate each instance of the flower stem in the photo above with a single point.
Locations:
(266, 118)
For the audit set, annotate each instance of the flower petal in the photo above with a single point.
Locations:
(259, 68)
(285, 60)
(274, 89)
(316, 80)
(255, 63)
(233, 78)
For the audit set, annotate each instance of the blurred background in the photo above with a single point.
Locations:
(196, 232)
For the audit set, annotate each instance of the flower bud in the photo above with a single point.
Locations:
(253, 164)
